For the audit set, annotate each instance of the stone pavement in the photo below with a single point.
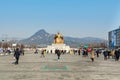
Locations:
(69, 67)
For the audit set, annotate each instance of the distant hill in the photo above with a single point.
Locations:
(44, 38)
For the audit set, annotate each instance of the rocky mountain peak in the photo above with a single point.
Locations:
(42, 31)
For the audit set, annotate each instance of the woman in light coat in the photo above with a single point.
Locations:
(92, 55)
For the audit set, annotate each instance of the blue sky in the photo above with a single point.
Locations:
(75, 18)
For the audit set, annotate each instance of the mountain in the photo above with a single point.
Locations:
(40, 38)
(43, 38)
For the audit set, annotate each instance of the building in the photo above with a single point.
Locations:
(114, 38)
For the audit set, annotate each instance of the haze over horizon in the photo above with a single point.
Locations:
(74, 18)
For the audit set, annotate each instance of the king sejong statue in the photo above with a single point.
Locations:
(58, 39)
(58, 43)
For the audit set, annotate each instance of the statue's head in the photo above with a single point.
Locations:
(59, 34)
(58, 39)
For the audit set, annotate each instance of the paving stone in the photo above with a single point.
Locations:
(69, 67)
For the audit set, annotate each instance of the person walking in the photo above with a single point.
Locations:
(79, 51)
(113, 53)
(117, 55)
(92, 55)
(97, 52)
(43, 53)
(105, 53)
(58, 53)
(17, 55)
(36, 51)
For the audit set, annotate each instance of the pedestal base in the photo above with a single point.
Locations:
(53, 47)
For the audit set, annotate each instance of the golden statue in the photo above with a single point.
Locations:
(58, 39)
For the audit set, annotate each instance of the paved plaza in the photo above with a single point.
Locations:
(69, 67)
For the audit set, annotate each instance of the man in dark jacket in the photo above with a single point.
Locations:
(117, 55)
(105, 53)
(17, 55)
(58, 53)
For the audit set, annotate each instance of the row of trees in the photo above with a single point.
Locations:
(10, 45)
(5, 45)
(95, 45)
(98, 45)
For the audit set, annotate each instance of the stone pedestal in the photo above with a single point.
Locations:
(51, 48)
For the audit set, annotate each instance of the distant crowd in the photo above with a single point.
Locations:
(85, 52)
